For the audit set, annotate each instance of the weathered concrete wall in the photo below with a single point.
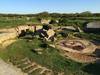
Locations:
(7, 35)
(90, 48)
(83, 56)
(6, 38)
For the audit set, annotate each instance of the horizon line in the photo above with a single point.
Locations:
(44, 11)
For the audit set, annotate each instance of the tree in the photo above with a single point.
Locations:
(86, 14)
(43, 15)
(62, 21)
(53, 21)
(46, 27)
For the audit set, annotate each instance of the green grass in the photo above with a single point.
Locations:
(88, 36)
(50, 57)
(12, 22)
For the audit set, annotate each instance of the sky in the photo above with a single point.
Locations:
(52, 6)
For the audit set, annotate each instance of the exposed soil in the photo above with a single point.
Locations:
(9, 69)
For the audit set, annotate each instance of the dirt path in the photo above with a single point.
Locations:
(8, 69)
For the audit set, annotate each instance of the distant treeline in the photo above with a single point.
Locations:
(55, 15)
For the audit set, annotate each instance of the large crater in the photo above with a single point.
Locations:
(76, 45)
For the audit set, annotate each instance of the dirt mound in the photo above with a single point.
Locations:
(77, 49)
(76, 45)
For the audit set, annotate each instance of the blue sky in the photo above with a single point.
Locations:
(36, 6)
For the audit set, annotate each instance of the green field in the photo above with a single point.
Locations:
(49, 58)
(14, 21)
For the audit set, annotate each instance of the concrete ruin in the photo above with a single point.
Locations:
(44, 21)
(6, 35)
(77, 49)
(92, 27)
(77, 45)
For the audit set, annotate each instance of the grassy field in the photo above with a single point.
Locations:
(50, 57)
(13, 21)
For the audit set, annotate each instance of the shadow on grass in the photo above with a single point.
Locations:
(93, 69)
(97, 52)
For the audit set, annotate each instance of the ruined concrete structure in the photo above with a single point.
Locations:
(44, 21)
(77, 45)
(77, 49)
(50, 34)
(5, 37)
(93, 27)
(11, 33)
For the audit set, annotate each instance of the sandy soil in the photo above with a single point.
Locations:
(8, 69)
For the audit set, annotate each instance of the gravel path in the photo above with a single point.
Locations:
(8, 69)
